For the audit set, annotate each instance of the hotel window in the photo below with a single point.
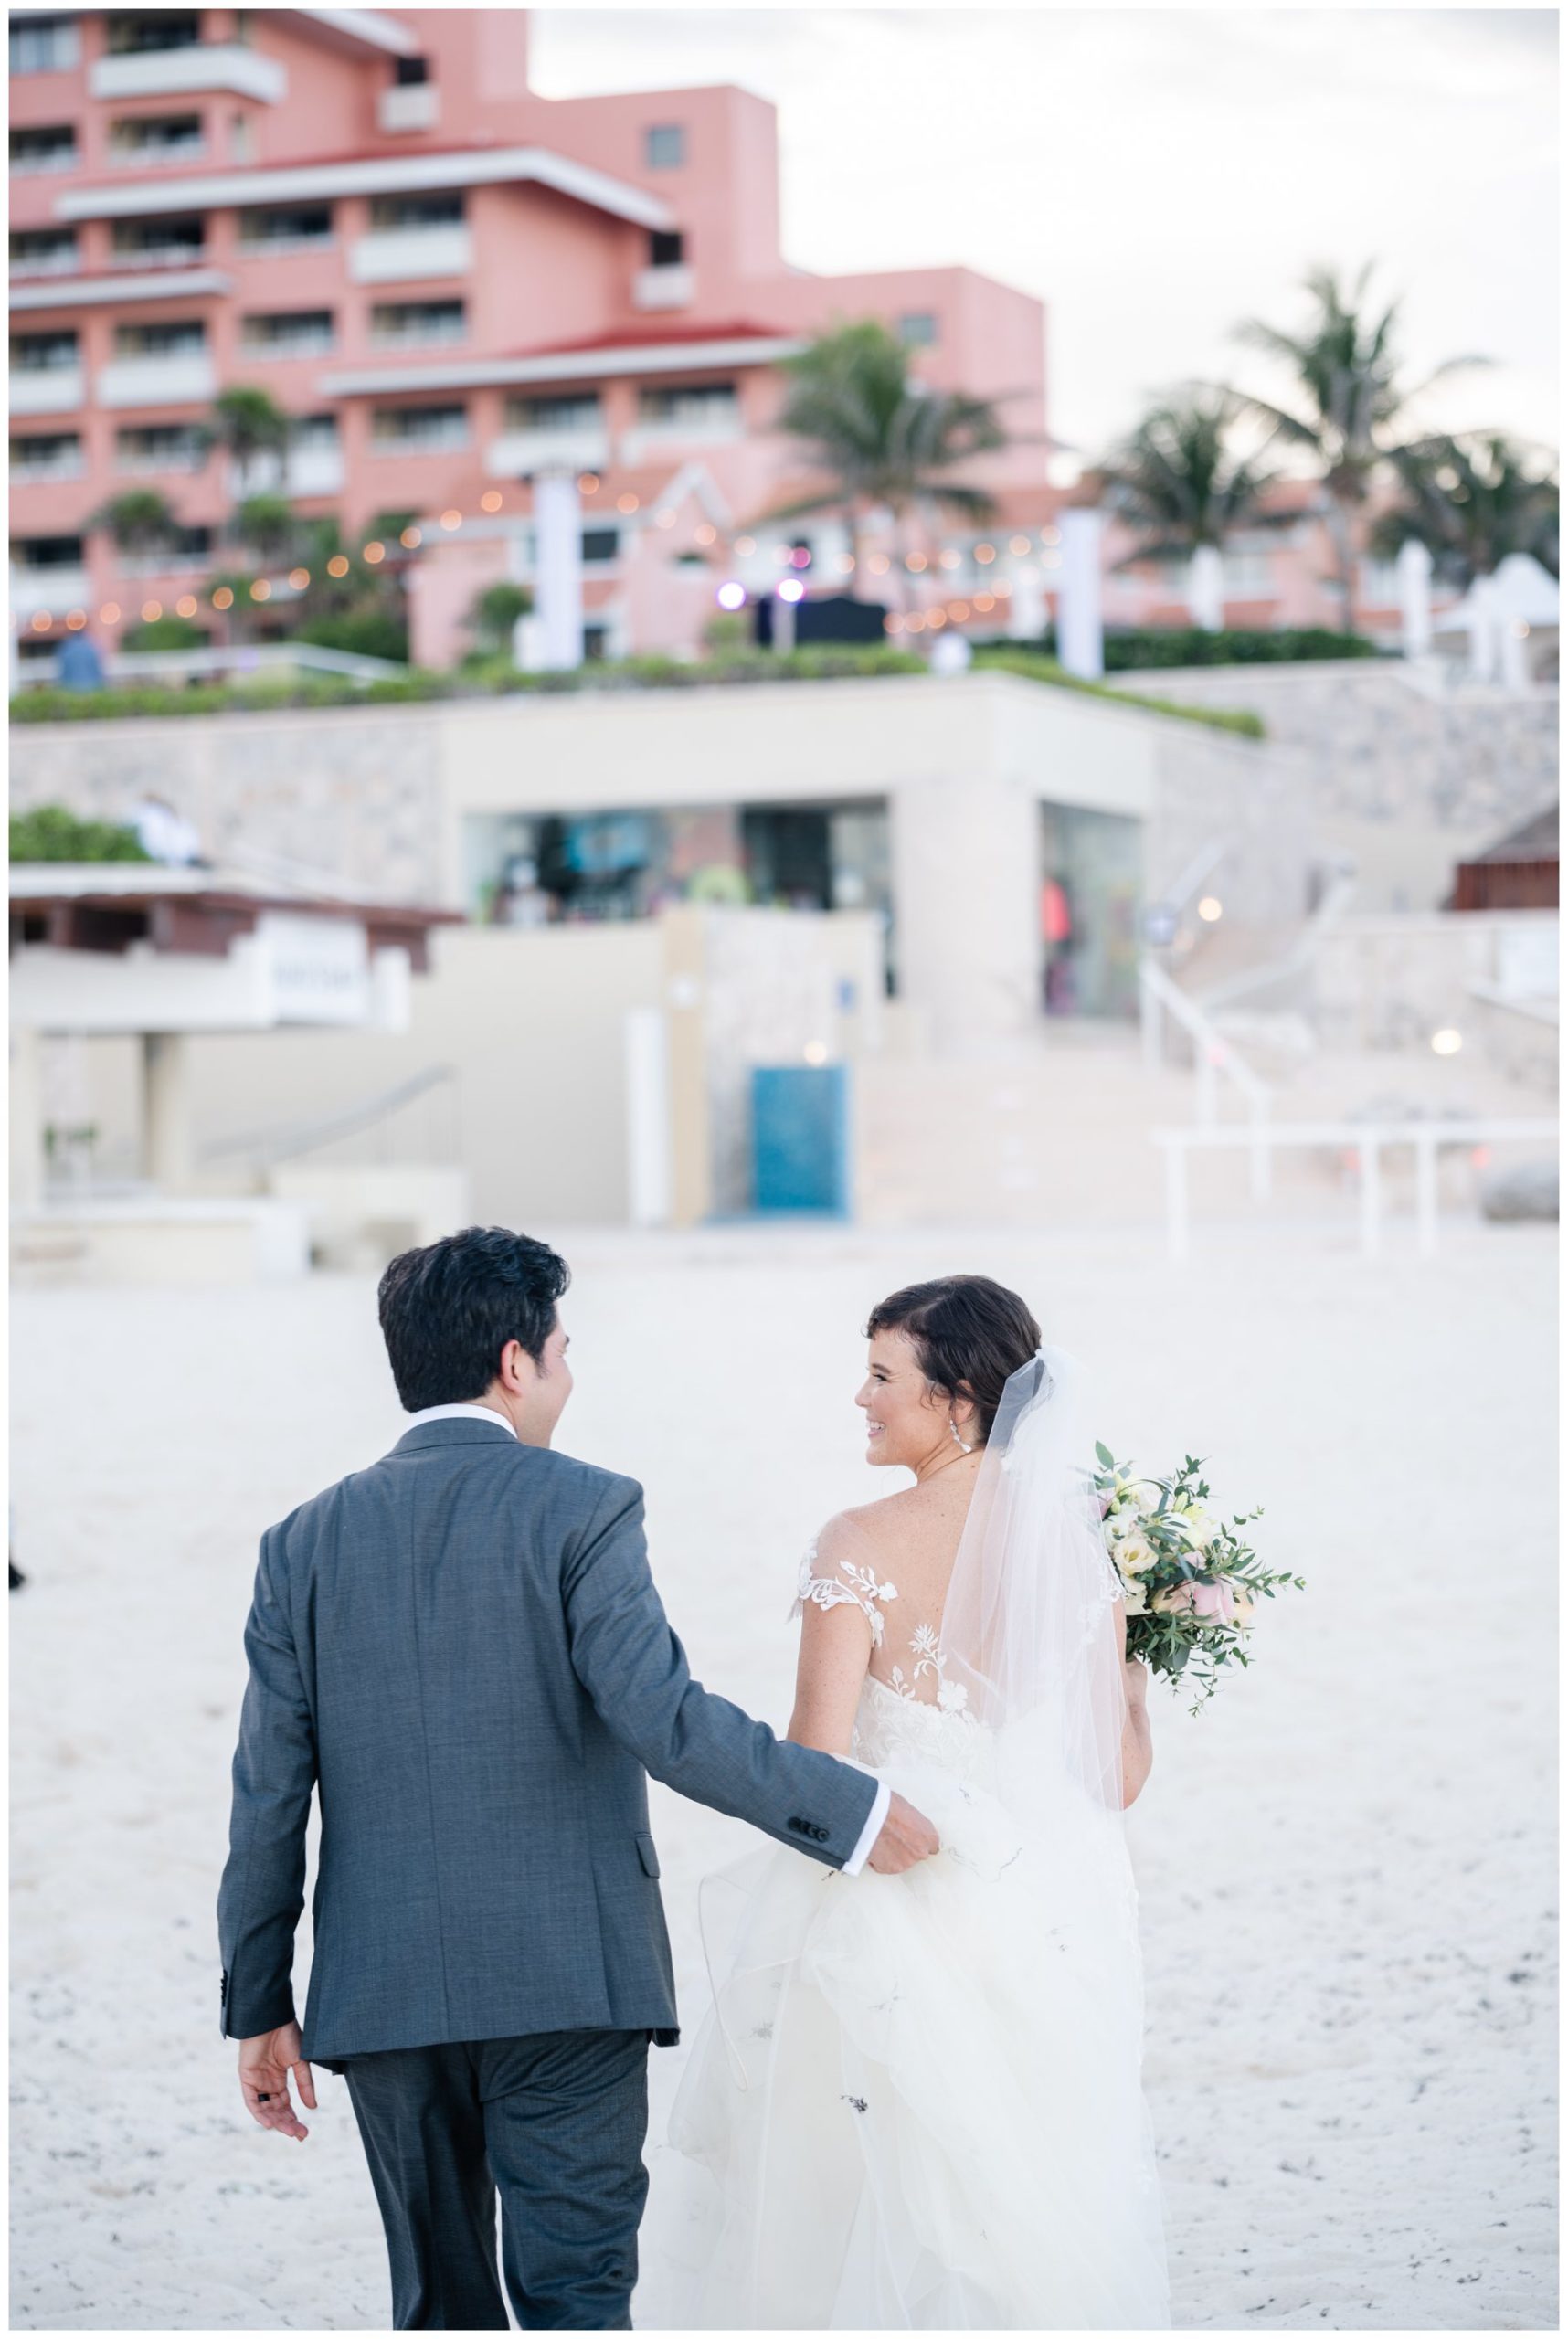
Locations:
(600, 545)
(44, 252)
(1380, 584)
(410, 72)
(185, 337)
(35, 553)
(242, 137)
(314, 434)
(160, 447)
(44, 45)
(417, 324)
(664, 146)
(158, 243)
(577, 412)
(1246, 570)
(918, 329)
(288, 333)
(140, 33)
(53, 149)
(690, 405)
(56, 455)
(390, 213)
(43, 353)
(666, 247)
(182, 547)
(155, 138)
(284, 228)
(417, 429)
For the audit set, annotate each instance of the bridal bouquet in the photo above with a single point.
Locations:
(1191, 1583)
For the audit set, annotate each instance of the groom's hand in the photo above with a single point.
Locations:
(907, 1836)
(264, 2066)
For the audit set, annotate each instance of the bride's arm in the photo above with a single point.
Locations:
(835, 1645)
(1136, 1743)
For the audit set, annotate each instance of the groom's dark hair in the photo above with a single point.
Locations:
(449, 1310)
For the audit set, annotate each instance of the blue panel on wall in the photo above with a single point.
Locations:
(799, 1138)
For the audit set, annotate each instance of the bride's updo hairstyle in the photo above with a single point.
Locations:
(969, 1334)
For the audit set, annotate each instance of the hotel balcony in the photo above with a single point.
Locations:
(664, 288)
(157, 381)
(313, 470)
(49, 592)
(650, 441)
(183, 72)
(409, 255)
(51, 389)
(518, 452)
(41, 472)
(415, 105)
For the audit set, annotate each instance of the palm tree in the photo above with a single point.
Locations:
(141, 520)
(1349, 401)
(1178, 481)
(884, 439)
(266, 526)
(248, 422)
(1471, 500)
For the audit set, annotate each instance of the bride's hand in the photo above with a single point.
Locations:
(907, 1836)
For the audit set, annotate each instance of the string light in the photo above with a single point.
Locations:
(745, 544)
(892, 623)
(261, 590)
(299, 578)
(949, 559)
(186, 607)
(223, 598)
(40, 621)
(731, 593)
(151, 612)
(935, 618)
(77, 619)
(1050, 535)
(707, 533)
(451, 519)
(491, 500)
(917, 561)
(914, 624)
(588, 484)
(984, 601)
(626, 503)
(984, 552)
(845, 563)
(110, 613)
(957, 611)
(336, 566)
(1019, 544)
(411, 538)
(879, 564)
(373, 552)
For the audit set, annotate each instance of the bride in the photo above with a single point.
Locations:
(916, 2098)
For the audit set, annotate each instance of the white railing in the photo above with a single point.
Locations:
(1368, 1138)
(47, 389)
(262, 657)
(1337, 896)
(402, 255)
(1214, 1058)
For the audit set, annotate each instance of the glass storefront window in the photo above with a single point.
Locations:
(1090, 889)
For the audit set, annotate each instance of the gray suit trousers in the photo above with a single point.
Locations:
(556, 2125)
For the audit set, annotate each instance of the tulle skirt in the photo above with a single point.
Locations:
(917, 2103)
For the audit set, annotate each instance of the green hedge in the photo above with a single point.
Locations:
(494, 677)
(1035, 668)
(1140, 647)
(49, 832)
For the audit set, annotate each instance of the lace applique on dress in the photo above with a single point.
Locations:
(853, 1586)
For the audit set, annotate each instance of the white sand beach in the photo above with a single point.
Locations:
(1347, 1865)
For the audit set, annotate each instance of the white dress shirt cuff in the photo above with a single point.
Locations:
(870, 1832)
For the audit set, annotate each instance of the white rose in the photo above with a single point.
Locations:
(1137, 1597)
(1147, 1495)
(1134, 1554)
(1195, 1524)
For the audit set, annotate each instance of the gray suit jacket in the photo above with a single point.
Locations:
(463, 1651)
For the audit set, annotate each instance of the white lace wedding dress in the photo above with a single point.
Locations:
(918, 2099)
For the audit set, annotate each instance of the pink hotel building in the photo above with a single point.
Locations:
(449, 282)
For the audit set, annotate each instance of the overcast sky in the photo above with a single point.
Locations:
(1153, 175)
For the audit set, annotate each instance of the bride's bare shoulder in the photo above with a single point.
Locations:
(880, 1522)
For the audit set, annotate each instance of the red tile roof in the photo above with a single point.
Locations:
(647, 336)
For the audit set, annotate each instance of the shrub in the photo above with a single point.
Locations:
(49, 832)
(1035, 668)
(1138, 647)
(363, 633)
(165, 633)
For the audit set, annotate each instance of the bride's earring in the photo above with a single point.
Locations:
(952, 1424)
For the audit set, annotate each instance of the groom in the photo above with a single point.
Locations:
(462, 1650)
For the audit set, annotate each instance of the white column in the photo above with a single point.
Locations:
(1080, 635)
(558, 567)
(27, 1118)
(1206, 589)
(649, 1170)
(1512, 663)
(1481, 623)
(165, 1108)
(966, 893)
(1414, 566)
(1026, 609)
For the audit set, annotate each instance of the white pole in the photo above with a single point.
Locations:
(1414, 566)
(1482, 630)
(1026, 611)
(1080, 635)
(649, 1173)
(166, 1107)
(1427, 1193)
(1206, 589)
(1370, 1196)
(1513, 666)
(558, 567)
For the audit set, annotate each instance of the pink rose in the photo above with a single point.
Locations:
(1215, 1601)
